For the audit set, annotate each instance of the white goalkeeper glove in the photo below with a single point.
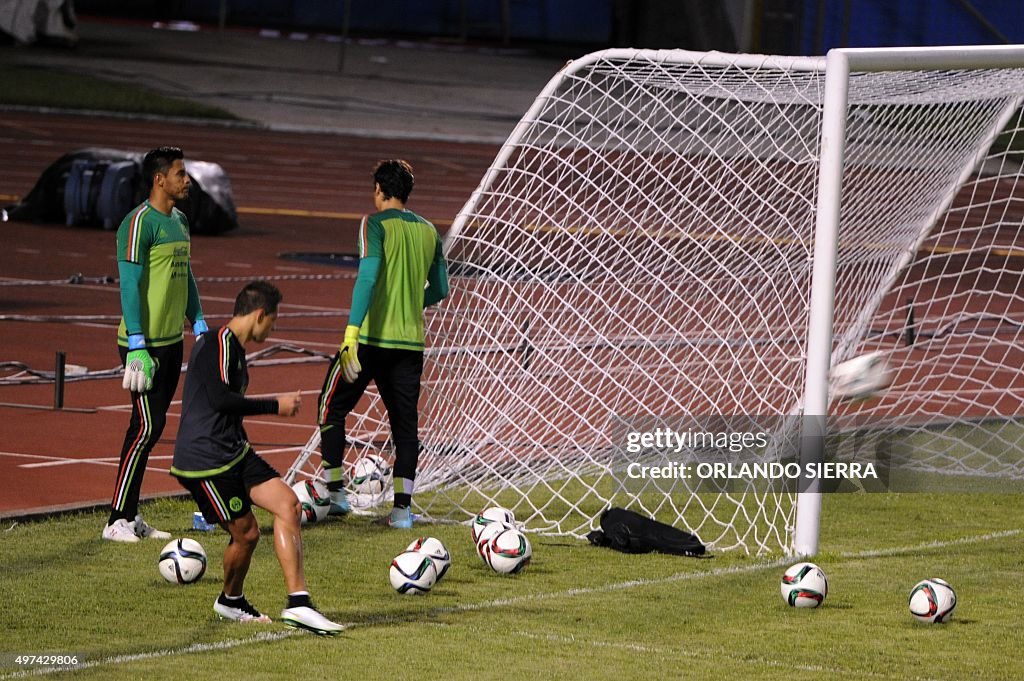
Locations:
(138, 366)
(349, 352)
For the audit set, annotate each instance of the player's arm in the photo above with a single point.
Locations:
(371, 251)
(213, 363)
(134, 239)
(193, 308)
(130, 275)
(437, 279)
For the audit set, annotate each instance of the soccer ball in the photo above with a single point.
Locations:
(314, 498)
(494, 514)
(508, 551)
(412, 572)
(804, 586)
(182, 561)
(436, 551)
(370, 474)
(932, 600)
(489, 532)
(861, 377)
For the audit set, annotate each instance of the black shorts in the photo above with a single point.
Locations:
(225, 497)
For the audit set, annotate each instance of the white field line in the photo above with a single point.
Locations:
(503, 602)
(885, 553)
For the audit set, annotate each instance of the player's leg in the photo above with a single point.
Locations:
(279, 499)
(223, 499)
(399, 383)
(232, 603)
(245, 534)
(148, 418)
(337, 399)
(275, 496)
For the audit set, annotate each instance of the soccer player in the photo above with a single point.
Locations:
(214, 461)
(158, 292)
(401, 272)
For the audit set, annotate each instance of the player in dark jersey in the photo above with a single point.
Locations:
(214, 461)
(158, 292)
(401, 271)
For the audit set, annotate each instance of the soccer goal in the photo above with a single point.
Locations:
(670, 235)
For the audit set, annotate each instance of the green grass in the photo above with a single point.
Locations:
(577, 610)
(28, 86)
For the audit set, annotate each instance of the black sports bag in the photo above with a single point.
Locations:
(631, 532)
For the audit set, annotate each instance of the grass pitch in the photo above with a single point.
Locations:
(577, 610)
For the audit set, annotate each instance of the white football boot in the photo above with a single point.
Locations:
(308, 618)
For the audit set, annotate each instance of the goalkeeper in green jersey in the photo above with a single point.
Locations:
(401, 272)
(158, 292)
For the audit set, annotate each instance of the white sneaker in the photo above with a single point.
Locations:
(144, 531)
(239, 610)
(310, 619)
(120, 530)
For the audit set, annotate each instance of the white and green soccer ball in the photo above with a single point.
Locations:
(371, 474)
(436, 551)
(314, 499)
(489, 531)
(861, 377)
(932, 601)
(804, 585)
(507, 552)
(412, 573)
(494, 514)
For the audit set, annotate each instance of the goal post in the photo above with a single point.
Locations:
(670, 238)
(835, 109)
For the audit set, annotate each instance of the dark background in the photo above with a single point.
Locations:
(797, 27)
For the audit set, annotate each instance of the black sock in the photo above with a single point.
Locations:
(403, 500)
(230, 600)
(299, 600)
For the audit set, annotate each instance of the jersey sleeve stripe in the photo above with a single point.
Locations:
(135, 234)
(363, 243)
(223, 352)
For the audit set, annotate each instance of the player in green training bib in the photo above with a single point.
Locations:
(158, 292)
(401, 272)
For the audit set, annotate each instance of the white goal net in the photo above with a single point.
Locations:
(641, 251)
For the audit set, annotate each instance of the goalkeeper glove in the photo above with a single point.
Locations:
(138, 366)
(199, 328)
(349, 353)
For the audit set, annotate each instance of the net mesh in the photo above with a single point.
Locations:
(642, 249)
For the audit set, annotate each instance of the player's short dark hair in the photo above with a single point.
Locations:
(158, 161)
(395, 179)
(257, 295)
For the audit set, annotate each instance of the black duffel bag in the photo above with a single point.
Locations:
(631, 532)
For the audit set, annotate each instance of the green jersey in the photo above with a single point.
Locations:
(408, 246)
(166, 288)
